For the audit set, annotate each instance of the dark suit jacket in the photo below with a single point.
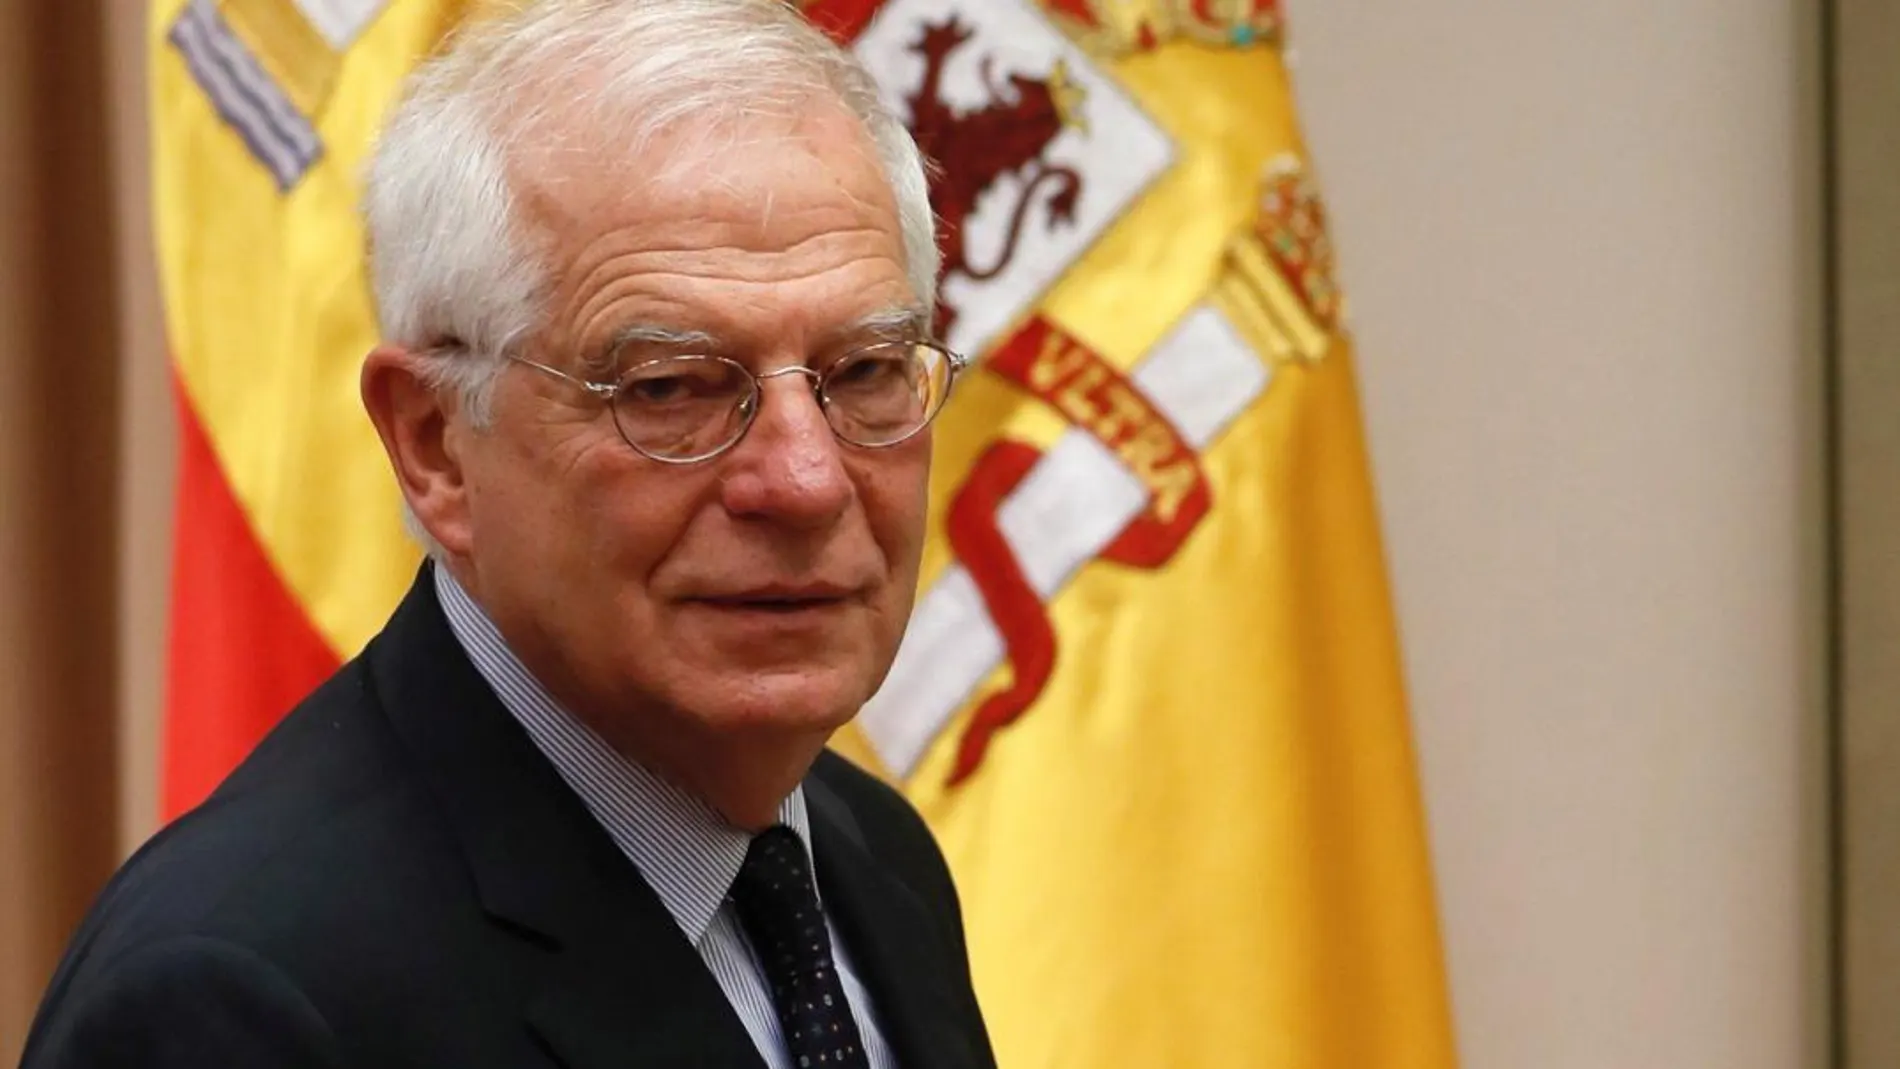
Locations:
(397, 877)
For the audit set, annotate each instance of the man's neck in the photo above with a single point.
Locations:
(745, 779)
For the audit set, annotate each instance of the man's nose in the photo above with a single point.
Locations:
(790, 466)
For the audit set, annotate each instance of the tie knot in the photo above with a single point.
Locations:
(776, 880)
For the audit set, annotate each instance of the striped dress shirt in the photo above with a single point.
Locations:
(686, 852)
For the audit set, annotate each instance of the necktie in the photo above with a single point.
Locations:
(777, 903)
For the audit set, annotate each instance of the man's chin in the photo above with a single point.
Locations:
(791, 702)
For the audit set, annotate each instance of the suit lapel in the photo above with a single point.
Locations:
(621, 985)
(893, 941)
(615, 1003)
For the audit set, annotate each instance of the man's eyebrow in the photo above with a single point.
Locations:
(650, 335)
(899, 322)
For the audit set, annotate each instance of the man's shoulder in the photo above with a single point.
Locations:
(881, 810)
(321, 832)
(892, 831)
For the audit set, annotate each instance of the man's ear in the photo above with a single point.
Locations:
(420, 433)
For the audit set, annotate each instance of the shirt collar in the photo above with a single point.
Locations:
(686, 851)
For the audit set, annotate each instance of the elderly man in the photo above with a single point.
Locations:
(656, 281)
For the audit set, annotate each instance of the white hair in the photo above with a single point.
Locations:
(449, 258)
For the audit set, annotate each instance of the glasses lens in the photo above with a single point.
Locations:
(884, 394)
(683, 407)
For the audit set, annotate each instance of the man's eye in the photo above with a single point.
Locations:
(658, 390)
(679, 382)
(870, 372)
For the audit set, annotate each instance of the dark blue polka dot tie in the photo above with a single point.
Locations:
(778, 905)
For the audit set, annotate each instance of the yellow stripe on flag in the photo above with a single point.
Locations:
(268, 311)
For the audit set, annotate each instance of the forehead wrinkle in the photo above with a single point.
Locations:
(668, 206)
(620, 275)
(741, 263)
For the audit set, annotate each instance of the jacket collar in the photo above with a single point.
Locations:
(622, 985)
(904, 951)
(687, 851)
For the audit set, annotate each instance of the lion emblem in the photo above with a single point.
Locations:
(974, 150)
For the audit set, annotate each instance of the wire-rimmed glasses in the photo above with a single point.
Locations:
(689, 408)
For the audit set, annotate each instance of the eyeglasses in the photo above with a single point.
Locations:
(685, 409)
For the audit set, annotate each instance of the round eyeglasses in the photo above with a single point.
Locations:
(685, 409)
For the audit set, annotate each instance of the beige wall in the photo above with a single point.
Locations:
(59, 435)
(147, 460)
(1867, 152)
(1582, 241)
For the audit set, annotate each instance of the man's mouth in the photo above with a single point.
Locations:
(782, 600)
(783, 606)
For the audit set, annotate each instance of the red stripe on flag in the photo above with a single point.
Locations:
(1028, 637)
(241, 651)
(843, 19)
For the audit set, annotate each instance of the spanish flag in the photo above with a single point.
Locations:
(1150, 699)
